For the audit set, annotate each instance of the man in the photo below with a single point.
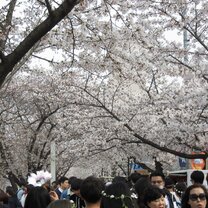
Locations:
(158, 179)
(197, 176)
(67, 192)
(91, 191)
(75, 193)
(63, 184)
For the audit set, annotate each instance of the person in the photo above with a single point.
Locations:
(54, 186)
(134, 177)
(169, 185)
(158, 179)
(67, 192)
(75, 193)
(116, 195)
(119, 179)
(179, 189)
(60, 203)
(154, 197)
(38, 197)
(28, 187)
(63, 184)
(21, 190)
(197, 176)
(13, 201)
(140, 186)
(195, 196)
(91, 191)
(3, 199)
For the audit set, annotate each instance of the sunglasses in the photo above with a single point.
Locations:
(194, 197)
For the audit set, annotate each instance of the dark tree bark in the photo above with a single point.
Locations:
(9, 61)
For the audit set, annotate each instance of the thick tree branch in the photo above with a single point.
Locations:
(12, 59)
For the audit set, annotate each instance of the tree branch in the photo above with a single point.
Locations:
(12, 59)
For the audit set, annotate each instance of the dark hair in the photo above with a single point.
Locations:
(91, 189)
(119, 179)
(185, 198)
(61, 203)
(22, 181)
(140, 186)
(71, 179)
(197, 176)
(62, 179)
(169, 182)
(134, 177)
(38, 197)
(157, 173)
(76, 184)
(180, 188)
(152, 193)
(117, 189)
(10, 191)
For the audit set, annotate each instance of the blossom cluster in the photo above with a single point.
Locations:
(39, 178)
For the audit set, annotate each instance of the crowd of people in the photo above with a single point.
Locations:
(138, 191)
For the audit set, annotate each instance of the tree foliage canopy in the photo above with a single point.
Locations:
(112, 79)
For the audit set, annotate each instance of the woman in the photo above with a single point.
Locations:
(154, 197)
(38, 197)
(117, 195)
(195, 196)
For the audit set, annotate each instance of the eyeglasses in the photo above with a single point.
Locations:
(194, 197)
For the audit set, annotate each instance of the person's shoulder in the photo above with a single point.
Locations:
(57, 190)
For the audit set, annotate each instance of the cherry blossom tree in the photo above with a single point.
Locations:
(115, 84)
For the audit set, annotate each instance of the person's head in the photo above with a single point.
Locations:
(60, 204)
(195, 196)
(10, 191)
(154, 197)
(22, 182)
(180, 188)
(134, 177)
(91, 189)
(197, 176)
(63, 183)
(140, 186)
(38, 197)
(54, 185)
(119, 179)
(169, 183)
(75, 186)
(117, 195)
(157, 179)
(71, 179)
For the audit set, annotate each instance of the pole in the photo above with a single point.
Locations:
(53, 161)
